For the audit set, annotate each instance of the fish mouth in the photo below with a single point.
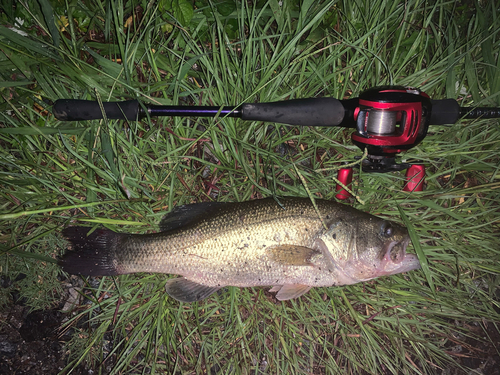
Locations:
(396, 260)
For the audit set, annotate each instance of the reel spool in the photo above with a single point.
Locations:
(381, 122)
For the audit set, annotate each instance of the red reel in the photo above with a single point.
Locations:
(390, 120)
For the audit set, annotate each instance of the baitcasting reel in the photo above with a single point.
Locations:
(387, 121)
(390, 120)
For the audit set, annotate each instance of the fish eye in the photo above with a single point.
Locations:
(387, 230)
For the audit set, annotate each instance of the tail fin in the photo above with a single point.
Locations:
(90, 255)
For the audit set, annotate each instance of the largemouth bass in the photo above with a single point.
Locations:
(255, 243)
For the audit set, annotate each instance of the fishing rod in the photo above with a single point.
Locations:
(386, 121)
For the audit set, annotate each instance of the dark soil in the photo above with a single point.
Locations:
(29, 342)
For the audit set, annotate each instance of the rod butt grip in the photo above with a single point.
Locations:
(82, 110)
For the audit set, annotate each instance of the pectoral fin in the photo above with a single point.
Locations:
(289, 291)
(185, 290)
(292, 255)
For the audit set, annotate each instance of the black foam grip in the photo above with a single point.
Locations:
(307, 112)
(445, 111)
(81, 110)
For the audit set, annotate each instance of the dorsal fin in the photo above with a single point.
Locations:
(186, 214)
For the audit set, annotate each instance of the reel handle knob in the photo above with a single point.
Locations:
(345, 176)
(415, 178)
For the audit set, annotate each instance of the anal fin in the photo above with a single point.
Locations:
(289, 291)
(185, 290)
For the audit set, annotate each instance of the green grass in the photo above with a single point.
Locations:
(125, 176)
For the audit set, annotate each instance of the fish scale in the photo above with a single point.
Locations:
(289, 245)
